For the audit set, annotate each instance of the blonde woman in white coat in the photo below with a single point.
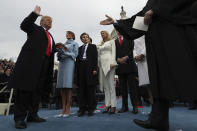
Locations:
(107, 63)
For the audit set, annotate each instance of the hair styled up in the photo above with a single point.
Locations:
(108, 38)
(73, 34)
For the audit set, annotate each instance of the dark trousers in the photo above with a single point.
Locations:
(193, 104)
(94, 98)
(27, 102)
(86, 93)
(127, 81)
(159, 116)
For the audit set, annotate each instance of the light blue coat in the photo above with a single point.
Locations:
(67, 64)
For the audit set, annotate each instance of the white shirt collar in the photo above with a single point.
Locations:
(44, 28)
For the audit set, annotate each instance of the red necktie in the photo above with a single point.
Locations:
(120, 40)
(48, 51)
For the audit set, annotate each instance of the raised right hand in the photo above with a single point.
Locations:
(37, 10)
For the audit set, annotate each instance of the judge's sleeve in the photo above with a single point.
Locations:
(124, 27)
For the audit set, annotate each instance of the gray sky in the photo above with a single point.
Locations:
(76, 15)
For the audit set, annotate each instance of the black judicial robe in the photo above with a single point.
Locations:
(171, 43)
(194, 9)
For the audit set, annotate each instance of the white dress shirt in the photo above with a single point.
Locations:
(84, 54)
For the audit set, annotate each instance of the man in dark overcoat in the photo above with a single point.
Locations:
(33, 72)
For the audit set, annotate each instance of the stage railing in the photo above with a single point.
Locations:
(5, 107)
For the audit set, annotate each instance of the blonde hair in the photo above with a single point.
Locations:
(44, 17)
(108, 38)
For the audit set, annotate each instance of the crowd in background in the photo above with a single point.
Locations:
(4, 64)
(6, 67)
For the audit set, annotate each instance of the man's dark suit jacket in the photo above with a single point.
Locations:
(126, 49)
(92, 64)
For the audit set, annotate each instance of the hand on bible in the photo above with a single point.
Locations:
(37, 10)
(59, 45)
(107, 21)
(148, 17)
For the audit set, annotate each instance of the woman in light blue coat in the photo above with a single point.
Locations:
(66, 55)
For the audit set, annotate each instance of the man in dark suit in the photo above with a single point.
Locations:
(126, 72)
(37, 59)
(87, 77)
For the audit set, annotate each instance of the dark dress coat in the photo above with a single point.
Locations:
(194, 9)
(92, 65)
(27, 70)
(171, 48)
(126, 49)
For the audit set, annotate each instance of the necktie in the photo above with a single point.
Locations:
(48, 51)
(120, 40)
(83, 51)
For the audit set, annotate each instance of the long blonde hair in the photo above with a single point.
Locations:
(108, 38)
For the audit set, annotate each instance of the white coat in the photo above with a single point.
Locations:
(106, 56)
(139, 48)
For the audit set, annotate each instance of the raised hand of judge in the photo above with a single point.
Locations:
(148, 17)
(107, 21)
(37, 10)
